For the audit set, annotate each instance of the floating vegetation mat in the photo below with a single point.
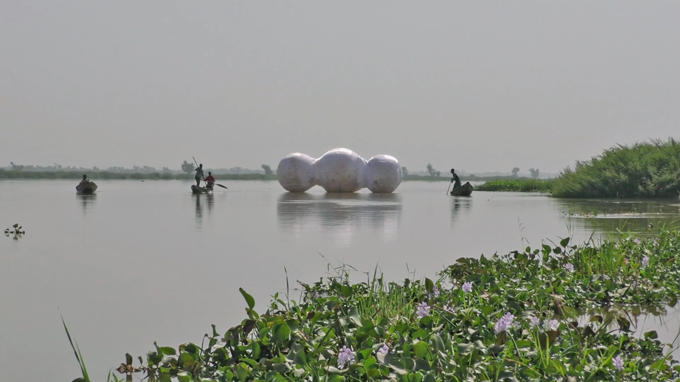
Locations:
(514, 317)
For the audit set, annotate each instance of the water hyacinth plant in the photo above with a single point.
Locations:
(16, 230)
(519, 322)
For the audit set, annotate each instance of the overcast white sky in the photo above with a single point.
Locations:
(480, 86)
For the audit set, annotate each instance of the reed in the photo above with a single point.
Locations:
(643, 170)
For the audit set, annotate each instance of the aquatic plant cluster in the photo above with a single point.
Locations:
(649, 169)
(17, 231)
(511, 317)
(517, 185)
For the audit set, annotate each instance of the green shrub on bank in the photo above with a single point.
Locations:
(650, 169)
(511, 317)
(517, 185)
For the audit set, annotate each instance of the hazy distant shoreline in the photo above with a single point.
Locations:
(107, 175)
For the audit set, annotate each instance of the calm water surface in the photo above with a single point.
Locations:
(147, 261)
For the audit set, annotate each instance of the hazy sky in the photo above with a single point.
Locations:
(478, 85)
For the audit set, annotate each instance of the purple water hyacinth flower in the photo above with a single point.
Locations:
(534, 322)
(467, 287)
(636, 241)
(645, 261)
(569, 267)
(423, 310)
(504, 323)
(618, 363)
(383, 349)
(435, 291)
(552, 325)
(345, 357)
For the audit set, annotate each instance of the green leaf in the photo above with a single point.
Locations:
(421, 349)
(438, 342)
(242, 371)
(249, 299)
(651, 335)
(183, 376)
(564, 242)
(546, 248)
(282, 332)
(429, 285)
(346, 291)
(354, 316)
(167, 350)
(256, 349)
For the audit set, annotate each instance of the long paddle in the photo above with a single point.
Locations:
(217, 184)
(447, 190)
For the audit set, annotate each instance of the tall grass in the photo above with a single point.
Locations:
(648, 169)
(517, 185)
(81, 362)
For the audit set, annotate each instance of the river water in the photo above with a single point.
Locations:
(147, 261)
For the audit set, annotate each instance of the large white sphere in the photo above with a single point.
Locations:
(383, 174)
(340, 170)
(296, 172)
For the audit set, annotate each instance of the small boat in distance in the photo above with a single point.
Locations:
(464, 190)
(86, 188)
(200, 190)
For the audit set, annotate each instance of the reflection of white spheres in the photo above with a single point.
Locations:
(340, 170)
(383, 174)
(296, 172)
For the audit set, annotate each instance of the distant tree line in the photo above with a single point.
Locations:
(186, 167)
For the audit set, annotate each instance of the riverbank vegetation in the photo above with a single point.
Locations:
(518, 316)
(644, 170)
(517, 185)
(107, 175)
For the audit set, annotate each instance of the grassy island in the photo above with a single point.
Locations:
(644, 170)
(517, 185)
(558, 312)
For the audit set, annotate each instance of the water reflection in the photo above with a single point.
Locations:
(342, 215)
(460, 205)
(612, 215)
(663, 320)
(87, 202)
(201, 199)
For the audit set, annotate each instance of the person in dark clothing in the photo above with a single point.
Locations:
(199, 175)
(455, 178)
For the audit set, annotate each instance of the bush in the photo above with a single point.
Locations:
(646, 170)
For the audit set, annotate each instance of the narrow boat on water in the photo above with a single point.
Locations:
(86, 188)
(200, 190)
(464, 190)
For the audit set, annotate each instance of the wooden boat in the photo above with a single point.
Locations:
(200, 190)
(464, 190)
(86, 188)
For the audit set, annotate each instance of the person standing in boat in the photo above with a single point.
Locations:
(209, 180)
(455, 178)
(199, 175)
(85, 180)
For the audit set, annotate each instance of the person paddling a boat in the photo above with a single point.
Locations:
(455, 178)
(85, 180)
(209, 180)
(199, 175)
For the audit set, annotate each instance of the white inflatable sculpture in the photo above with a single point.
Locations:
(383, 174)
(296, 173)
(339, 170)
